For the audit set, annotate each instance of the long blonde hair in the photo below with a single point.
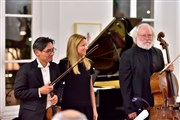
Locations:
(72, 53)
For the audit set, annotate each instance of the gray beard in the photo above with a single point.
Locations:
(146, 47)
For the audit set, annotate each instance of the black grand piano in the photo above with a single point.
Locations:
(112, 42)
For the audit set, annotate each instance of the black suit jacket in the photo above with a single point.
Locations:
(136, 67)
(28, 80)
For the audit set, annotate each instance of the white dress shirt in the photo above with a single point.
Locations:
(46, 79)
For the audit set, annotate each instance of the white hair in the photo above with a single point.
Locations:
(136, 30)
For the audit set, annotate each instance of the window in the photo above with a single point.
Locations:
(134, 8)
(145, 9)
(18, 17)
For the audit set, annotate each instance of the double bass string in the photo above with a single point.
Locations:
(169, 64)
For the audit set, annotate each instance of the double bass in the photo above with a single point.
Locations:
(164, 87)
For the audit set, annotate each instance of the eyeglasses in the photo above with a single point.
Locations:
(49, 51)
(146, 35)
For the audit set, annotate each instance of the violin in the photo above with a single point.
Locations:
(164, 87)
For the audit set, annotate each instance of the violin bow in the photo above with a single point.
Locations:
(169, 64)
(69, 69)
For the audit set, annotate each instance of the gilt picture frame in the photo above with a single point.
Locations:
(89, 30)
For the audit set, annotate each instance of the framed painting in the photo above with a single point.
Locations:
(89, 30)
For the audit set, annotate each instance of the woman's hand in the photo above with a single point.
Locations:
(95, 115)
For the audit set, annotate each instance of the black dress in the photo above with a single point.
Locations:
(76, 94)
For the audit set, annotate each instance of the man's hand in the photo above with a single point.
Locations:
(171, 67)
(53, 99)
(46, 89)
(132, 115)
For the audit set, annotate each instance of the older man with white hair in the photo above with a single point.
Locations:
(137, 64)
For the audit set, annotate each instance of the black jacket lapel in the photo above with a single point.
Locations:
(37, 72)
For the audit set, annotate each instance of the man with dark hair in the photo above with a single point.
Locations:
(33, 79)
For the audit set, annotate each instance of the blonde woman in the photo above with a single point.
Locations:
(78, 92)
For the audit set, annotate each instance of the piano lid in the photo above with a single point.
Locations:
(112, 41)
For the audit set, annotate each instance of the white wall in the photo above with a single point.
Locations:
(58, 18)
(178, 42)
(46, 21)
(167, 21)
(91, 11)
